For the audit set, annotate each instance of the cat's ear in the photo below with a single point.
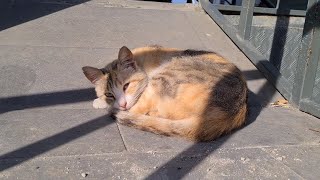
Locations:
(125, 57)
(93, 74)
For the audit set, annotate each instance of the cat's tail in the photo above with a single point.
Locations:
(195, 128)
(168, 127)
(217, 123)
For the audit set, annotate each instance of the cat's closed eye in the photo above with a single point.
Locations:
(125, 87)
(110, 95)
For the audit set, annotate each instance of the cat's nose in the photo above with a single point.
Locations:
(123, 104)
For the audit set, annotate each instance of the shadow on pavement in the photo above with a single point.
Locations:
(30, 151)
(46, 99)
(15, 12)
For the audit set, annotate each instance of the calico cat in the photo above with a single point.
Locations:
(198, 95)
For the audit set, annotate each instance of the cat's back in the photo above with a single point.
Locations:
(192, 66)
(213, 76)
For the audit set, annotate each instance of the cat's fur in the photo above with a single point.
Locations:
(194, 94)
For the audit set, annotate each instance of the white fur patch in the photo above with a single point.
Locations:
(100, 104)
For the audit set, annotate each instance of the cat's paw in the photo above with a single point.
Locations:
(100, 104)
(123, 117)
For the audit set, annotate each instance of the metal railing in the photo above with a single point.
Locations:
(300, 85)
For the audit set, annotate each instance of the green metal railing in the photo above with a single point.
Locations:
(278, 9)
(291, 61)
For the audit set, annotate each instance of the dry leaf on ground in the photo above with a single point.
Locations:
(281, 103)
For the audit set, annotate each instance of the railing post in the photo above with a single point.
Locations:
(278, 4)
(246, 16)
(309, 54)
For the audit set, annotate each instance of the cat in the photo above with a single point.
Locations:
(194, 94)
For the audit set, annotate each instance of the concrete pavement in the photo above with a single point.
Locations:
(49, 130)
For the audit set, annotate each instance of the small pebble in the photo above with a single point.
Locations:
(37, 167)
(242, 158)
(280, 158)
(84, 174)
(179, 168)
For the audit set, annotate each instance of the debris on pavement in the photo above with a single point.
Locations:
(315, 130)
(280, 103)
(84, 174)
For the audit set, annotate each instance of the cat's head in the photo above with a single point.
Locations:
(120, 83)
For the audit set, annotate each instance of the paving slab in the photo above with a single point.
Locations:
(99, 26)
(48, 77)
(220, 164)
(303, 160)
(31, 133)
